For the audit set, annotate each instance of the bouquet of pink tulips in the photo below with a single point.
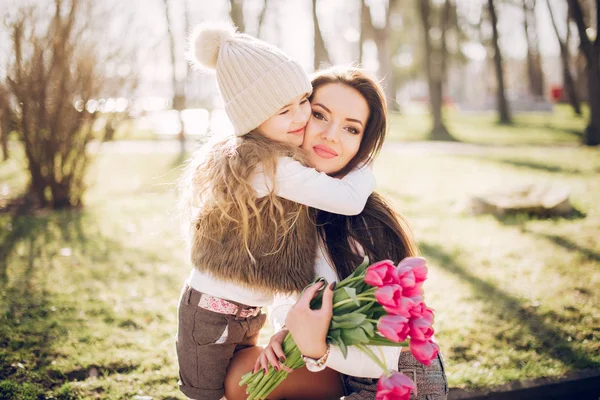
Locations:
(381, 304)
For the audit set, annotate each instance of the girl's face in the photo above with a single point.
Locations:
(289, 123)
(336, 127)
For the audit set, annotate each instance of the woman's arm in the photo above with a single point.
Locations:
(305, 185)
(359, 364)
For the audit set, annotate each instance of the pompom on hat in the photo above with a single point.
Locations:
(255, 78)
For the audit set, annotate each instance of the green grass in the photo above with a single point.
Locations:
(94, 291)
(561, 126)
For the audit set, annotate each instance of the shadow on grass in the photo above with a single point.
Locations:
(551, 339)
(520, 218)
(568, 245)
(528, 164)
(520, 125)
(34, 315)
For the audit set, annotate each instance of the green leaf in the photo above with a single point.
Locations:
(362, 267)
(347, 321)
(343, 349)
(354, 336)
(352, 294)
(365, 308)
(368, 328)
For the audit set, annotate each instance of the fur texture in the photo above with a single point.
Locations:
(266, 244)
(205, 42)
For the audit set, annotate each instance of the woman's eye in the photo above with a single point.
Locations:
(304, 101)
(284, 112)
(318, 115)
(352, 130)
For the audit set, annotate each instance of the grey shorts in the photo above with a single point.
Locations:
(431, 380)
(206, 341)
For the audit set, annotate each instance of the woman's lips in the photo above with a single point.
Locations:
(298, 132)
(324, 151)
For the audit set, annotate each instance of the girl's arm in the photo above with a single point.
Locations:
(305, 185)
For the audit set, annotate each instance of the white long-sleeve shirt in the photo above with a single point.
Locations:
(304, 185)
(356, 363)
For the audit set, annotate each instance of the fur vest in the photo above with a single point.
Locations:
(281, 261)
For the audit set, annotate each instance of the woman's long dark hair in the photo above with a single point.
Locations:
(382, 233)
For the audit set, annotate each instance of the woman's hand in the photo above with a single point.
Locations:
(309, 327)
(273, 354)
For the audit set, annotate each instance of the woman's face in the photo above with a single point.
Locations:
(336, 127)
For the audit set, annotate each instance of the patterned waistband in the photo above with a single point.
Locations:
(222, 306)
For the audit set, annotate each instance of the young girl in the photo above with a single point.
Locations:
(247, 196)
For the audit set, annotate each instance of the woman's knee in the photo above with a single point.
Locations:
(241, 363)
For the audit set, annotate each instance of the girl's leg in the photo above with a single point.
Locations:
(300, 384)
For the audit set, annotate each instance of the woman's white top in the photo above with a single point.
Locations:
(356, 363)
(304, 185)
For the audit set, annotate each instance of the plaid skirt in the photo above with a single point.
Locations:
(431, 380)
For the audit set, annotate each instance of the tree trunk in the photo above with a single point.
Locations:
(178, 96)
(365, 25)
(435, 70)
(534, 63)
(568, 81)
(236, 13)
(4, 131)
(591, 50)
(503, 111)
(381, 36)
(321, 56)
(261, 19)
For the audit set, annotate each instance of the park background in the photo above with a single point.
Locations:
(99, 111)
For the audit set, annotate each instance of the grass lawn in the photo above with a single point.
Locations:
(88, 298)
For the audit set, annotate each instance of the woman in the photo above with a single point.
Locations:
(347, 129)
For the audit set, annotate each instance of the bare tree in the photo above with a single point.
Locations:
(4, 121)
(534, 60)
(381, 36)
(321, 55)
(503, 110)
(261, 18)
(591, 51)
(177, 85)
(435, 65)
(55, 73)
(568, 80)
(236, 13)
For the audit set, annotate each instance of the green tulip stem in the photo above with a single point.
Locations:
(345, 282)
(372, 356)
(347, 301)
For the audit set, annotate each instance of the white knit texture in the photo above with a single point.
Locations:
(255, 79)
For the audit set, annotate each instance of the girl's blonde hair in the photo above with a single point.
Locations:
(216, 183)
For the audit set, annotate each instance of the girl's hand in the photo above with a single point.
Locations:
(273, 354)
(309, 327)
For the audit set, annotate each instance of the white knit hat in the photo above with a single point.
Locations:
(255, 78)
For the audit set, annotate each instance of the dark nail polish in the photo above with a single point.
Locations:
(281, 359)
(332, 285)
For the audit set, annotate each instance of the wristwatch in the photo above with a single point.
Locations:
(314, 365)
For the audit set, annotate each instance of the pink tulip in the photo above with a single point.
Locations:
(420, 310)
(397, 386)
(420, 329)
(415, 293)
(407, 279)
(393, 327)
(418, 266)
(390, 297)
(381, 273)
(424, 351)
